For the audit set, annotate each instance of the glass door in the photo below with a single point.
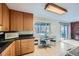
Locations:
(64, 31)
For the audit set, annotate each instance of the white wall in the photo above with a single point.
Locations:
(55, 26)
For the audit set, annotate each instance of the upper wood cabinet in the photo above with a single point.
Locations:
(28, 21)
(21, 21)
(0, 14)
(5, 18)
(16, 20)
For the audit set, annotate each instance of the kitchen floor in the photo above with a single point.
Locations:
(56, 50)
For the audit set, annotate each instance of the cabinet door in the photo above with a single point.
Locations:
(18, 48)
(28, 21)
(27, 46)
(30, 45)
(24, 49)
(5, 18)
(24, 44)
(0, 14)
(16, 20)
(6, 52)
(10, 50)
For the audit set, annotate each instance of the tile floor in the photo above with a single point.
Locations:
(59, 49)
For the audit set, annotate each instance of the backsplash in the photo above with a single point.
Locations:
(26, 32)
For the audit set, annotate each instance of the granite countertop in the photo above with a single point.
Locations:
(25, 38)
(4, 45)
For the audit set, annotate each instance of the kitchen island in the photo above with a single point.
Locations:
(17, 47)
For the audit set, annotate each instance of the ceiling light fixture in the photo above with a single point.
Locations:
(55, 8)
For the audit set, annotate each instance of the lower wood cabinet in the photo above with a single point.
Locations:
(18, 47)
(10, 50)
(27, 46)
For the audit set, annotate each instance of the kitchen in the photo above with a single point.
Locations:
(16, 32)
(32, 30)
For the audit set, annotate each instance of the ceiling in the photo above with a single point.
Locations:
(38, 10)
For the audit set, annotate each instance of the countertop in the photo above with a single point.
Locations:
(9, 41)
(4, 46)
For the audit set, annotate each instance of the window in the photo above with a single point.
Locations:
(42, 28)
(64, 31)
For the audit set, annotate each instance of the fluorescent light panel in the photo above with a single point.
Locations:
(55, 8)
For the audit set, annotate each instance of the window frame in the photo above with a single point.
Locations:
(48, 24)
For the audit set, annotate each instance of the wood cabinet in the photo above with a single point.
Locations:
(0, 14)
(10, 50)
(27, 46)
(16, 20)
(28, 21)
(21, 21)
(5, 18)
(18, 47)
(24, 46)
